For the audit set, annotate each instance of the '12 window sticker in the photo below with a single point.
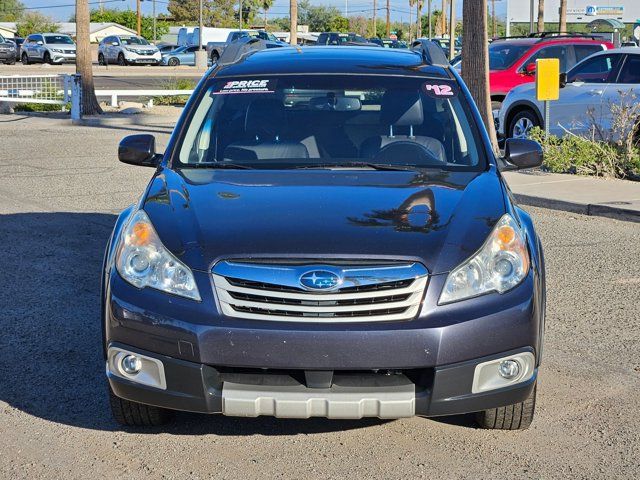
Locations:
(442, 90)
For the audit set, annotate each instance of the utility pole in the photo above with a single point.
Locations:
(375, 19)
(410, 22)
(155, 31)
(452, 29)
(443, 19)
(494, 23)
(429, 18)
(418, 19)
(240, 15)
(201, 55)
(531, 9)
(388, 21)
(139, 15)
(293, 22)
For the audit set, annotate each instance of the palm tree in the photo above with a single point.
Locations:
(540, 16)
(563, 16)
(475, 60)
(266, 5)
(90, 105)
(293, 22)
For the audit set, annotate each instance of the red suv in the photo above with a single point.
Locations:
(512, 61)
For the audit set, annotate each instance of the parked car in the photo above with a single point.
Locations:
(127, 50)
(167, 47)
(445, 42)
(180, 56)
(512, 61)
(336, 38)
(7, 51)
(388, 43)
(48, 48)
(352, 254)
(215, 49)
(18, 42)
(589, 91)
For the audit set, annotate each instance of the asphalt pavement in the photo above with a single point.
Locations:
(60, 190)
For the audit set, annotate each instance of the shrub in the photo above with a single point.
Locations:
(175, 84)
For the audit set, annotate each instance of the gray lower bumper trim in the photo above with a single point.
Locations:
(298, 401)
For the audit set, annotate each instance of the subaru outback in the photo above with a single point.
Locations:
(328, 234)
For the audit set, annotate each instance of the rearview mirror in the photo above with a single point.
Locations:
(139, 150)
(563, 80)
(530, 69)
(521, 153)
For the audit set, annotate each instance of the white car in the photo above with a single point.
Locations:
(592, 86)
(48, 48)
(127, 50)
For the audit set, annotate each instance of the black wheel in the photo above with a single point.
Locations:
(101, 59)
(521, 123)
(11, 61)
(173, 62)
(47, 58)
(121, 60)
(215, 57)
(512, 417)
(25, 58)
(134, 414)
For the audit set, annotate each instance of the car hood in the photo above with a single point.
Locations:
(63, 46)
(438, 218)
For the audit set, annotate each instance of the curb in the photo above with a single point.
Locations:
(134, 119)
(590, 209)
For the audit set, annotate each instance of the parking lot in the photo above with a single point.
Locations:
(61, 188)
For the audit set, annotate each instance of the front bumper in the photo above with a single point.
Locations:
(7, 55)
(57, 57)
(194, 387)
(154, 59)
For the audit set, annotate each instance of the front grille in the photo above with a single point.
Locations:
(273, 292)
(70, 51)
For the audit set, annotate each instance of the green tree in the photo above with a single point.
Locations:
(34, 22)
(128, 18)
(321, 18)
(10, 10)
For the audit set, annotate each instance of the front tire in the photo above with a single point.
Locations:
(522, 123)
(101, 59)
(214, 57)
(121, 60)
(47, 58)
(173, 62)
(512, 417)
(25, 59)
(133, 414)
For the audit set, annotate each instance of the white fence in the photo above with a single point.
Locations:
(114, 94)
(43, 89)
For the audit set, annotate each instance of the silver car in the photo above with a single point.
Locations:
(48, 48)
(127, 50)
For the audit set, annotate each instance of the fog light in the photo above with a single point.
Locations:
(509, 369)
(131, 364)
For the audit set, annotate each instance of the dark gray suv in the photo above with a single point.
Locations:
(7, 51)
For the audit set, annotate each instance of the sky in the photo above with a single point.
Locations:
(61, 10)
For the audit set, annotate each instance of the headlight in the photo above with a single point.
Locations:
(57, 50)
(501, 264)
(143, 261)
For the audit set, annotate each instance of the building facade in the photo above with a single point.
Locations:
(578, 11)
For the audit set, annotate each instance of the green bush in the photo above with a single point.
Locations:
(584, 156)
(175, 84)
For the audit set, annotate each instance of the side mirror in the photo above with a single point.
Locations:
(138, 150)
(115, 44)
(40, 42)
(563, 80)
(521, 153)
(530, 69)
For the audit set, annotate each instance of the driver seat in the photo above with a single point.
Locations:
(402, 108)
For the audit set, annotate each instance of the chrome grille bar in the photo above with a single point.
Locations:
(364, 294)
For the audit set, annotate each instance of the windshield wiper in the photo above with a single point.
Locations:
(374, 166)
(219, 165)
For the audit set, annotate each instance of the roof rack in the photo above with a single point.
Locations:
(241, 48)
(431, 52)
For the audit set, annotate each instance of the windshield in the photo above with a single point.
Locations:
(504, 54)
(133, 41)
(293, 121)
(60, 39)
(178, 50)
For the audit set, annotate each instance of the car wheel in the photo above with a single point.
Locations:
(173, 62)
(11, 62)
(133, 414)
(522, 123)
(47, 58)
(101, 59)
(512, 417)
(214, 57)
(121, 60)
(25, 59)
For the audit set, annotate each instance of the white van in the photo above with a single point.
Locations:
(212, 34)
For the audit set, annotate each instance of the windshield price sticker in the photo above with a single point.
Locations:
(440, 90)
(247, 86)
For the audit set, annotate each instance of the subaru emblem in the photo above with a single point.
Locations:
(319, 280)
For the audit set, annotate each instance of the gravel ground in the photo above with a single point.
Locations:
(60, 187)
